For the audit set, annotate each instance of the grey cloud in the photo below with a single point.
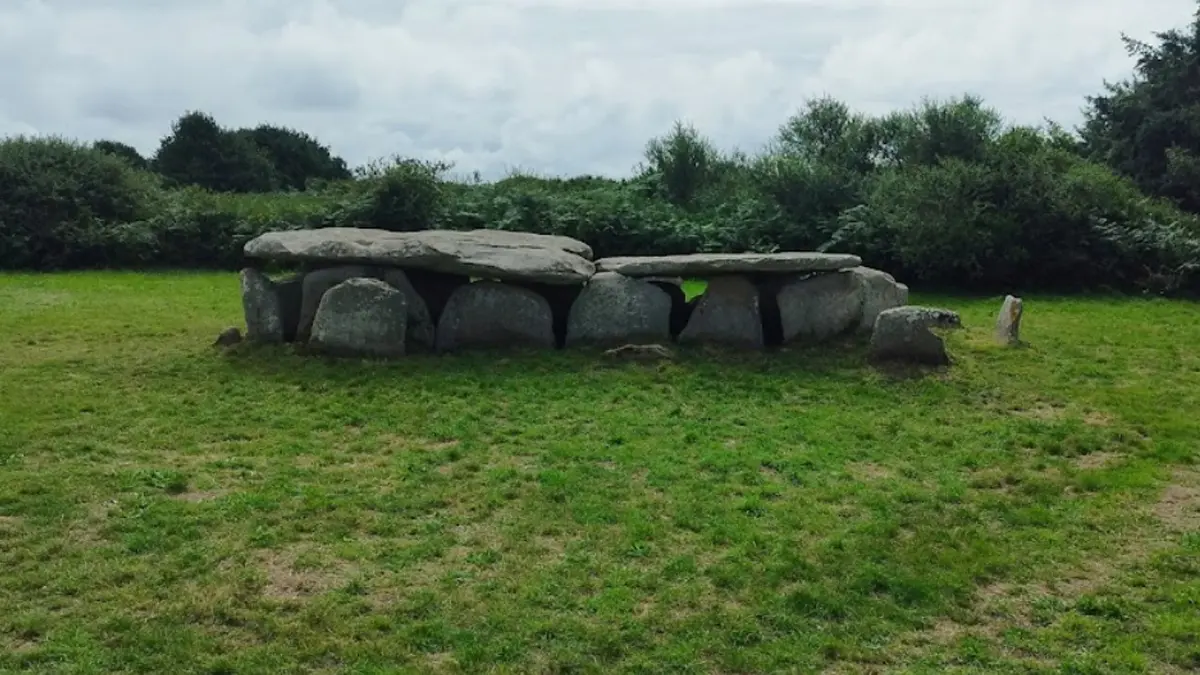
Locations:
(555, 86)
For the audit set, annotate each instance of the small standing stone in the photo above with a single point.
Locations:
(1008, 324)
(228, 337)
(361, 317)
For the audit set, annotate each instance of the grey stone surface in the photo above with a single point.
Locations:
(903, 334)
(614, 309)
(880, 291)
(713, 264)
(361, 317)
(314, 286)
(821, 307)
(261, 306)
(1008, 323)
(490, 254)
(420, 323)
(728, 313)
(492, 314)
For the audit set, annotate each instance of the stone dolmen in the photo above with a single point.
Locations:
(368, 292)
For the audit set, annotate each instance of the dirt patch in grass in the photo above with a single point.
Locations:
(196, 496)
(1044, 412)
(1098, 419)
(870, 471)
(1179, 506)
(289, 576)
(1096, 460)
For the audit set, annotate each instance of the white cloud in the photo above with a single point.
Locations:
(555, 86)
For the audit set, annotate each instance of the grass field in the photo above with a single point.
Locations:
(165, 508)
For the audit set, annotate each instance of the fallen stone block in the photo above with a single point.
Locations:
(903, 334)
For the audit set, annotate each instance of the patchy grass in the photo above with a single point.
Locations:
(168, 508)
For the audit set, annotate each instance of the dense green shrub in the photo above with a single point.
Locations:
(57, 198)
(199, 152)
(124, 151)
(297, 157)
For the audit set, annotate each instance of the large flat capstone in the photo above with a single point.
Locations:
(492, 254)
(711, 264)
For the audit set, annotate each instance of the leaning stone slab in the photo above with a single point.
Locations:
(491, 314)
(1008, 323)
(262, 308)
(903, 334)
(614, 309)
(881, 291)
(821, 307)
(728, 313)
(712, 264)
(314, 287)
(490, 254)
(361, 317)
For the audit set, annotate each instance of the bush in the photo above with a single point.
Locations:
(404, 195)
(57, 198)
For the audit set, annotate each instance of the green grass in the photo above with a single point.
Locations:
(168, 508)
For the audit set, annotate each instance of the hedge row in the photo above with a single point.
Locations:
(1016, 211)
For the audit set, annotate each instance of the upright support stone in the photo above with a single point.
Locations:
(315, 285)
(1008, 323)
(881, 291)
(616, 310)
(361, 317)
(728, 313)
(903, 334)
(493, 314)
(821, 307)
(420, 324)
(262, 308)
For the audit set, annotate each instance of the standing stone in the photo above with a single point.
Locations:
(361, 317)
(261, 306)
(1008, 323)
(494, 314)
(314, 286)
(880, 292)
(903, 334)
(821, 307)
(728, 313)
(420, 324)
(615, 309)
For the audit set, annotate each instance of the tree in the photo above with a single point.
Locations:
(199, 152)
(124, 151)
(684, 162)
(1148, 127)
(297, 157)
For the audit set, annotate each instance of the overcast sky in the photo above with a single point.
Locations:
(552, 86)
